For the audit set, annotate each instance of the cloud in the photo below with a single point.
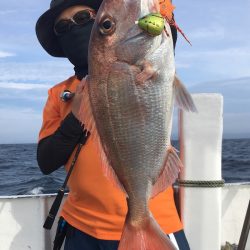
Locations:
(220, 51)
(20, 125)
(180, 65)
(211, 53)
(237, 124)
(6, 12)
(213, 32)
(23, 95)
(210, 64)
(23, 86)
(221, 46)
(236, 94)
(4, 54)
(51, 72)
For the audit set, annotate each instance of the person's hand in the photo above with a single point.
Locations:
(78, 98)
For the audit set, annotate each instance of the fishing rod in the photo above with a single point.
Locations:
(245, 230)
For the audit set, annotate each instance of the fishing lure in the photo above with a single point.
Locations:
(152, 23)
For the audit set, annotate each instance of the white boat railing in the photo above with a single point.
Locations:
(22, 218)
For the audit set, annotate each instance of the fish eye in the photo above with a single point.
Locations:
(107, 26)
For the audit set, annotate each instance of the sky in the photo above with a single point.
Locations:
(218, 61)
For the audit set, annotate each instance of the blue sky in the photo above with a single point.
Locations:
(218, 61)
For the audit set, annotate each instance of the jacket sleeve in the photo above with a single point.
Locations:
(54, 151)
(58, 138)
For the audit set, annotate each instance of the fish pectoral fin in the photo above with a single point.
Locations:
(183, 99)
(147, 72)
(170, 171)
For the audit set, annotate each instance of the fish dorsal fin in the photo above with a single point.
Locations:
(183, 99)
(170, 171)
(87, 118)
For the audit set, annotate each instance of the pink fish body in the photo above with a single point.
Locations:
(127, 105)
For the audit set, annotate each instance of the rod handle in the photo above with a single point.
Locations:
(54, 210)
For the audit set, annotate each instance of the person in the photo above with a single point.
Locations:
(94, 210)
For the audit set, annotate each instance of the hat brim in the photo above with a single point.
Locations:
(45, 25)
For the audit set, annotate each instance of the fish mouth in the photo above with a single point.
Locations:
(134, 37)
(134, 34)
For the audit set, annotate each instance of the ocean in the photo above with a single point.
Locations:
(20, 174)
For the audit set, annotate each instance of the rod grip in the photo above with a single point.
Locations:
(54, 210)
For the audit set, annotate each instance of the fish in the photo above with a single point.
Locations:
(127, 106)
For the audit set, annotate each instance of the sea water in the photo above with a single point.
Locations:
(20, 174)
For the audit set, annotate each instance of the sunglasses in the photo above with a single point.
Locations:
(80, 18)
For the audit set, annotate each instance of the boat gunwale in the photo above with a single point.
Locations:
(54, 194)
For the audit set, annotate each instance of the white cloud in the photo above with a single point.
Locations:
(20, 125)
(180, 65)
(6, 12)
(19, 94)
(51, 72)
(23, 86)
(4, 54)
(18, 113)
(218, 31)
(237, 123)
(233, 62)
(221, 47)
(213, 32)
(236, 94)
(211, 53)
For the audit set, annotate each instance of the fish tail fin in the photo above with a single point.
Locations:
(147, 236)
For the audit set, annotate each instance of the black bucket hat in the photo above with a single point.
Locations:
(45, 24)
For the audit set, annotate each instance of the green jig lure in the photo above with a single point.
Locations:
(152, 23)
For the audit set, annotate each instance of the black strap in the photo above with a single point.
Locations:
(57, 202)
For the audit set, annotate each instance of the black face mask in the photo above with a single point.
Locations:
(75, 45)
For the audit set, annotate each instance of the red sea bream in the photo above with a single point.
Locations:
(127, 105)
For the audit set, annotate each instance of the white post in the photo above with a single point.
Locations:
(201, 149)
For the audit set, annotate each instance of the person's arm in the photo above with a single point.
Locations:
(54, 151)
(58, 138)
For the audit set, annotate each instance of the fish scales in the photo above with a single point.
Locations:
(130, 88)
(128, 134)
